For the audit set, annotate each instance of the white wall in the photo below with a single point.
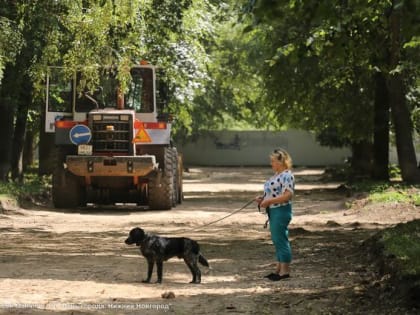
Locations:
(252, 148)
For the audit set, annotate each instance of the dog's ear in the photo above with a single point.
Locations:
(138, 235)
(137, 231)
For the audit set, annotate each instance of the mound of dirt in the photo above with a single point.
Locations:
(392, 283)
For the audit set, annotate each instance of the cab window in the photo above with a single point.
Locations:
(140, 94)
(101, 96)
(59, 91)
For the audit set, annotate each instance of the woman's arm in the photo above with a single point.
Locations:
(283, 198)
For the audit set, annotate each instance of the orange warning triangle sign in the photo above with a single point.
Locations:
(142, 136)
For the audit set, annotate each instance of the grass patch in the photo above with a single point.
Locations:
(385, 192)
(391, 195)
(33, 187)
(4, 196)
(403, 242)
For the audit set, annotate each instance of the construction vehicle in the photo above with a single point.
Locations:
(112, 147)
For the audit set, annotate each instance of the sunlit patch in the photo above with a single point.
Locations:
(25, 290)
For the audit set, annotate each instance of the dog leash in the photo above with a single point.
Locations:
(218, 220)
(267, 213)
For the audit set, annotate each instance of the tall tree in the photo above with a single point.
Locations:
(322, 72)
(397, 91)
(33, 18)
(381, 129)
(81, 33)
(10, 46)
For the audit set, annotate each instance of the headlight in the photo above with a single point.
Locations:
(125, 117)
(97, 117)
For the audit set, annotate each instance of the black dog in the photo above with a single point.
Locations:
(158, 249)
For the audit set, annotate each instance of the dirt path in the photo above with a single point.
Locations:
(75, 261)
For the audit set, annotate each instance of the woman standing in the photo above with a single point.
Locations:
(277, 199)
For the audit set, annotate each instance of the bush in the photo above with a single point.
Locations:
(33, 188)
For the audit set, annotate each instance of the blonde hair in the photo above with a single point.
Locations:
(283, 157)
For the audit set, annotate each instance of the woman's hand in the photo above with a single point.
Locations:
(265, 203)
(258, 200)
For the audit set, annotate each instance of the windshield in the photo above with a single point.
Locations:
(103, 95)
(59, 91)
(140, 94)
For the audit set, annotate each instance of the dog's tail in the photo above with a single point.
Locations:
(202, 260)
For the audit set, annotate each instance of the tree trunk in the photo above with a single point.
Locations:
(361, 161)
(381, 130)
(28, 150)
(399, 110)
(7, 112)
(19, 139)
(6, 130)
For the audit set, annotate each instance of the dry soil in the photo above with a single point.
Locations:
(74, 261)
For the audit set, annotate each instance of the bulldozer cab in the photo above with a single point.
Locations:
(68, 97)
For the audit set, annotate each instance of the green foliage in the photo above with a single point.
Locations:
(232, 89)
(11, 43)
(33, 187)
(317, 69)
(317, 61)
(393, 195)
(82, 35)
(385, 192)
(403, 242)
(266, 64)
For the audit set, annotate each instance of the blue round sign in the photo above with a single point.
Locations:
(80, 134)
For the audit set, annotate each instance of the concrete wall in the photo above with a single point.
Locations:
(252, 148)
